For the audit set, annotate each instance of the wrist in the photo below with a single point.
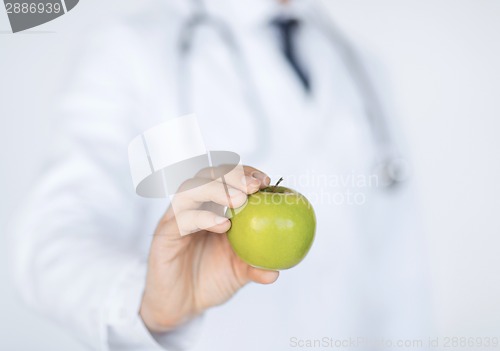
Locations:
(157, 319)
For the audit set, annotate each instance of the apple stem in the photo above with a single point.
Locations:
(278, 182)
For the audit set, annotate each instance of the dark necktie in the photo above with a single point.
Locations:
(287, 28)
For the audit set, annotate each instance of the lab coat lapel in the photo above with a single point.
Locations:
(287, 107)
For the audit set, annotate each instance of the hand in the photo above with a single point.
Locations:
(189, 274)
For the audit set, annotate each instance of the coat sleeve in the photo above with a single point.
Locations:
(76, 245)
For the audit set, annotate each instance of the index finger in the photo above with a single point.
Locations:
(245, 178)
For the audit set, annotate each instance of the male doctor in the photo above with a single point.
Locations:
(111, 267)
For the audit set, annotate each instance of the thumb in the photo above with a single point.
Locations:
(262, 276)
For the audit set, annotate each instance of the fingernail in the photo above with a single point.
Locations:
(220, 220)
(264, 179)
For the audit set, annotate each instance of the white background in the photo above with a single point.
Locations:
(443, 58)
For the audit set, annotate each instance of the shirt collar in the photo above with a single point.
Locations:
(249, 14)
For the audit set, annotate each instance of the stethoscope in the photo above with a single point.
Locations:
(390, 167)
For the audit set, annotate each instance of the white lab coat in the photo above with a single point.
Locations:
(81, 243)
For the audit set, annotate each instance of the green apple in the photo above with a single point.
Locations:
(274, 230)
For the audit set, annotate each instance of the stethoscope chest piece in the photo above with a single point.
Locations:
(392, 172)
